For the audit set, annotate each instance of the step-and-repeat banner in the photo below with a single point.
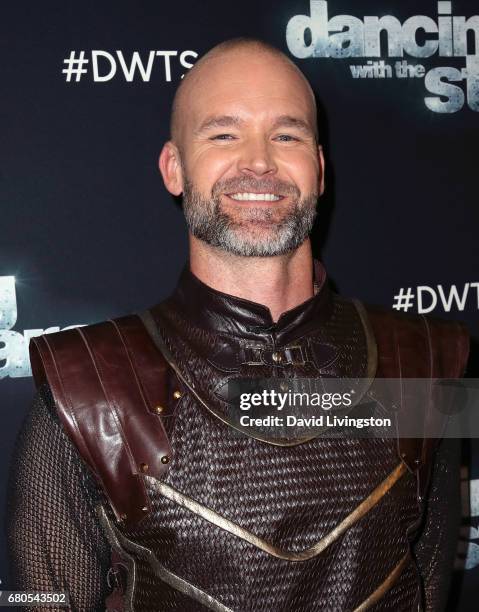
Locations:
(87, 230)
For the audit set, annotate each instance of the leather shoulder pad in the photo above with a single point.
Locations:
(416, 346)
(411, 347)
(107, 381)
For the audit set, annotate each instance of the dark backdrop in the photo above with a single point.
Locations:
(89, 232)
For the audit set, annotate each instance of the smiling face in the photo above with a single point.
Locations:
(245, 155)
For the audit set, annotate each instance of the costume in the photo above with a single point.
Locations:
(202, 517)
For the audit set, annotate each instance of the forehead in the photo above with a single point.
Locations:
(255, 86)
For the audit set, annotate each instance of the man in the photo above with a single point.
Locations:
(132, 481)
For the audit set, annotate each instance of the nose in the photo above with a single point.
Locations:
(256, 157)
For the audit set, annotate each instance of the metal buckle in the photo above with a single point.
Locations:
(115, 577)
(290, 357)
(252, 354)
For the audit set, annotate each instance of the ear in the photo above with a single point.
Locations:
(321, 169)
(170, 168)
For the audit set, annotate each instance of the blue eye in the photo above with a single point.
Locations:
(287, 138)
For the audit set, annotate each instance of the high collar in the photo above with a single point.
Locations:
(212, 310)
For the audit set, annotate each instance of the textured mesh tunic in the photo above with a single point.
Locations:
(234, 515)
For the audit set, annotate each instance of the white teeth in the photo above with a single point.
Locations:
(268, 197)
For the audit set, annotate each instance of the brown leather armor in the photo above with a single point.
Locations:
(204, 517)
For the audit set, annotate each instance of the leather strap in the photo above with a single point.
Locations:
(231, 355)
(106, 380)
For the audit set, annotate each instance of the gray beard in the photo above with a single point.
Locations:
(208, 222)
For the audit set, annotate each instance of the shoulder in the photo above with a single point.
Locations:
(90, 361)
(443, 344)
(80, 344)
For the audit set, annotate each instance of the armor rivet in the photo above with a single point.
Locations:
(123, 516)
(159, 409)
(283, 386)
(144, 509)
(144, 467)
(177, 395)
(276, 357)
(417, 461)
(165, 459)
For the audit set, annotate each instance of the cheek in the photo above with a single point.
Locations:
(303, 170)
(207, 167)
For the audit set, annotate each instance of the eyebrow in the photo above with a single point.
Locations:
(293, 122)
(223, 121)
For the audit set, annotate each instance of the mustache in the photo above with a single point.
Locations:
(248, 184)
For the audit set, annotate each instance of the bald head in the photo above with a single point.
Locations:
(225, 61)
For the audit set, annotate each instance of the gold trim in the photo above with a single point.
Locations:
(120, 542)
(384, 587)
(304, 555)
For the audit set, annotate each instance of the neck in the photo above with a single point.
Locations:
(279, 283)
